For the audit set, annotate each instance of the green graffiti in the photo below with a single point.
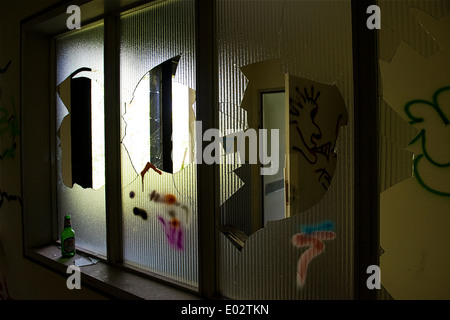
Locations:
(419, 178)
(438, 131)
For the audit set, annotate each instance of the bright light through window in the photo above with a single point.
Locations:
(98, 134)
(137, 117)
(137, 132)
(180, 126)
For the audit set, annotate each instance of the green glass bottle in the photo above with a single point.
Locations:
(67, 238)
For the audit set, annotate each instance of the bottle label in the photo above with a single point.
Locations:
(69, 245)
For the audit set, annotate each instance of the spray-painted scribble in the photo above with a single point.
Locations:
(166, 198)
(5, 196)
(3, 70)
(433, 123)
(317, 112)
(140, 212)
(173, 231)
(312, 237)
(324, 177)
(169, 199)
(147, 167)
(173, 226)
(9, 123)
(304, 109)
(325, 226)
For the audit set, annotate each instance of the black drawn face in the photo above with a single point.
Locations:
(304, 109)
(315, 122)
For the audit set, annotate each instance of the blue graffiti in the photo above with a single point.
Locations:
(324, 226)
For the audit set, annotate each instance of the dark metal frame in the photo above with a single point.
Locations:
(206, 174)
(366, 104)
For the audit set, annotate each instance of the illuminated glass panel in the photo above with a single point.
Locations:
(159, 200)
(80, 143)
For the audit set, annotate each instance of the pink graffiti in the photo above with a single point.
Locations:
(316, 246)
(7, 296)
(174, 232)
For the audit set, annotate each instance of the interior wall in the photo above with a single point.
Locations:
(19, 277)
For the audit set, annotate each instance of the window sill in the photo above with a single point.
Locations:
(110, 281)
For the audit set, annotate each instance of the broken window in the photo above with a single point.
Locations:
(80, 146)
(262, 249)
(159, 198)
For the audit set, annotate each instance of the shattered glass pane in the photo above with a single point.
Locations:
(80, 155)
(312, 41)
(160, 121)
(82, 129)
(159, 185)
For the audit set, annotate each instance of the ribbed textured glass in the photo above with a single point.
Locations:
(159, 210)
(414, 220)
(312, 40)
(83, 49)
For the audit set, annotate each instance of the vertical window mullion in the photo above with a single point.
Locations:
(206, 174)
(366, 201)
(112, 140)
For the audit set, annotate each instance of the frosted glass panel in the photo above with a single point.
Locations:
(80, 136)
(414, 150)
(159, 205)
(310, 40)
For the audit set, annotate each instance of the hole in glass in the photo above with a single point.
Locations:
(81, 132)
(160, 121)
(308, 115)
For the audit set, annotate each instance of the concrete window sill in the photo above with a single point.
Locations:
(110, 281)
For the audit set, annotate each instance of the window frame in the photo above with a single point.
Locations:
(38, 114)
(110, 278)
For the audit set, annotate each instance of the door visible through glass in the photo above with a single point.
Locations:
(273, 117)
